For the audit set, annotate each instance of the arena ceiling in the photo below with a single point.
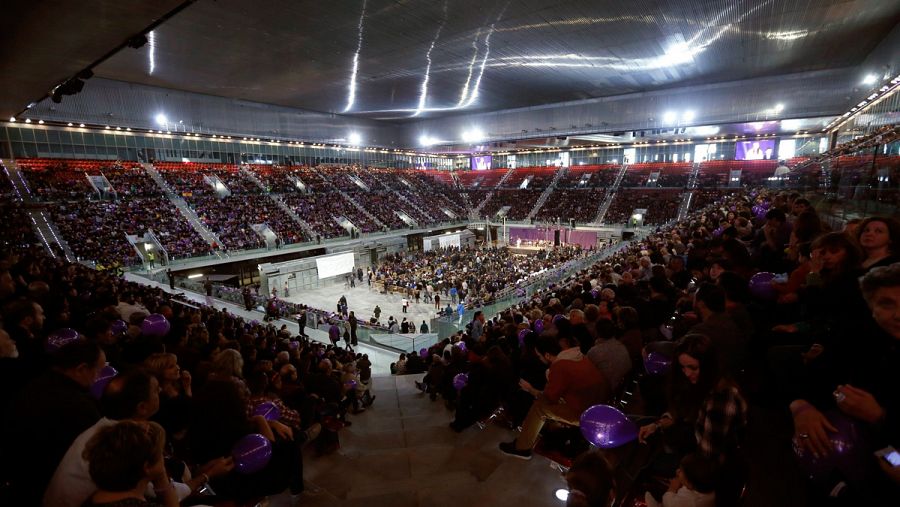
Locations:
(406, 60)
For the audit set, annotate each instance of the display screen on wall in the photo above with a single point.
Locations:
(759, 149)
(481, 163)
(335, 265)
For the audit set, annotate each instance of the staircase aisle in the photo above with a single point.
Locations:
(610, 195)
(401, 453)
(186, 211)
(310, 232)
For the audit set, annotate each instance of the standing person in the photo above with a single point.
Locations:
(460, 309)
(286, 291)
(405, 304)
(418, 294)
(302, 322)
(171, 279)
(248, 299)
(404, 326)
(150, 259)
(437, 301)
(453, 294)
(424, 328)
(346, 334)
(334, 333)
(208, 286)
(353, 324)
(377, 312)
(477, 324)
(359, 274)
(352, 282)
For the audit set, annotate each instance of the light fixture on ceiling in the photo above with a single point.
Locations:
(472, 135)
(81, 125)
(27, 120)
(69, 124)
(354, 138)
(40, 122)
(870, 79)
(669, 117)
(779, 107)
(161, 119)
(12, 119)
(688, 116)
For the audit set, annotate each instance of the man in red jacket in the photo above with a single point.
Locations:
(573, 385)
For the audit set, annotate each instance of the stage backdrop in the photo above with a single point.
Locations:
(586, 239)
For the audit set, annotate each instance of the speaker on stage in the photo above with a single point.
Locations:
(627, 235)
(556, 237)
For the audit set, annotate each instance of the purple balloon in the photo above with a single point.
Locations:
(61, 337)
(268, 410)
(595, 293)
(558, 317)
(849, 454)
(107, 373)
(761, 286)
(718, 232)
(423, 352)
(251, 453)
(522, 334)
(294, 345)
(460, 380)
(539, 326)
(119, 327)
(657, 363)
(607, 427)
(155, 325)
(351, 384)
(462, 345)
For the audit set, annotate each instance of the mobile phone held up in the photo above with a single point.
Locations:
(889, 454)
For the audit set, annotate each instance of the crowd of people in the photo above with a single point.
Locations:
(471, 275)
(812, 350)
(102, 403)
(661, 206)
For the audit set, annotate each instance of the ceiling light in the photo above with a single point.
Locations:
(688, 116)
(779, 108)
(81, 125)
(870, 79)
(669, 117)
(40, 122)
(473, 135)
(69, 124)
(128, 129)
(118, 128)
(27, 120)
(161, 119)
(354, 138)
(12, 119)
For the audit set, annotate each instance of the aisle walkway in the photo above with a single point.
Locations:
(401, 453)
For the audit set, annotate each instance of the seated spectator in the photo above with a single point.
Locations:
(47, 416)
(694, 485)
(573, 385)
(609, 355)
(124, 459)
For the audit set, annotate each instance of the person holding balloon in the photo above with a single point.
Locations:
(849, 408)
(267, 458)
(707, 414)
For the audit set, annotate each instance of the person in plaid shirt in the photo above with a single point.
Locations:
(707, 413)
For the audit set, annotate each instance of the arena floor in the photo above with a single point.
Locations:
(363, 300)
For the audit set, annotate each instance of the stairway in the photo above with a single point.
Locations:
(685, 205)
(611, 194)
(400, 453)
(20, 185)
(307, 229)
(414, 206)
(182, 206)
(546, 195)
(49, 234)
(361, 208)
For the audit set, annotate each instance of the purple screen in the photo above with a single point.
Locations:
(481, 163)
(760, 149)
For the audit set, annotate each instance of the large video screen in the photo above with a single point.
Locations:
(334, 265)
(481, 163)
(759, 149)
